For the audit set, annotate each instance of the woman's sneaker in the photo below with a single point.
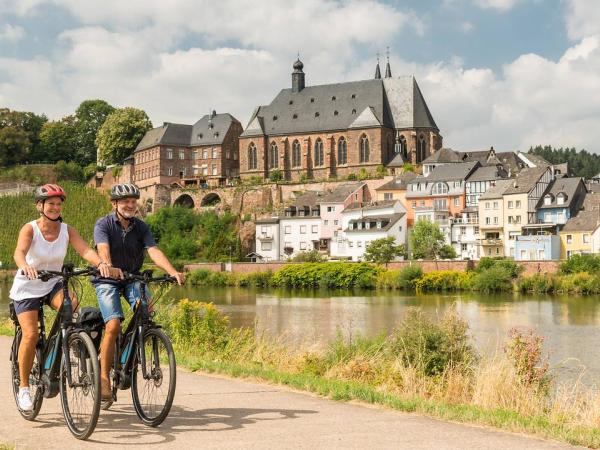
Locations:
(24, 397)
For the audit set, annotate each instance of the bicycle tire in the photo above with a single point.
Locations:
(35, 378)
(146, 412)
(88, 377)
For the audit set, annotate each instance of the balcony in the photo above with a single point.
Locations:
(491, 242)
(465, 221)
(265, 237)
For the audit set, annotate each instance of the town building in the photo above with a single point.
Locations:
(440, 195)
(204, 154)
(300, 227)
(267, 239)
(510, 161)
(334, 130)
(562, 201)
(362, 224)
(333, 203)
(491, 219)
(581, 233)
(395, 189)
(520, 200)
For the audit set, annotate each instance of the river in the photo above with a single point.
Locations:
(570, 325)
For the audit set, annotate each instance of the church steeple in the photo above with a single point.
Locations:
(298, 76)
(388, 70)
(377, 69)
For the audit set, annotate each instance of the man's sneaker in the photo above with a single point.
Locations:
(25, 402)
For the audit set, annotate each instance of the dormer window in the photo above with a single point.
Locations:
(291, 102)
(274, 118)
(199, 136)
(295, 116)
(353, 111)
(216, 134)
(353, 95)
(561, 198)
(312, 100)
(335, 113)
(547, 200)
(333, 98)
(317, 114)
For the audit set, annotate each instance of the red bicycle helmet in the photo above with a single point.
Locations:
(49, 190)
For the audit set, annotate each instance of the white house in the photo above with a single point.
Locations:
(298, 234)
(361, 225)
(267, 238)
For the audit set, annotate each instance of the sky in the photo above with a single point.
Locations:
(504, 73)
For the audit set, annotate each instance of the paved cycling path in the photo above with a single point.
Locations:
(213, 412)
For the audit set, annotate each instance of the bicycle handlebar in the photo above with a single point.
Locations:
(66, 273)
(146, 277)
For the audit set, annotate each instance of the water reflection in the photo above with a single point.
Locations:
(568, 323)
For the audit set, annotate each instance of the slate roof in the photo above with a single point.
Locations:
(510, 160)
(526, 180)
(177, 134)
(496, 191)
(583, 221)
(341, 192)
(267, 220)
(487, 173)
(397, 161)
(393, 218)
(399, 183)
(308, 198)
(370, 206)
(537, 160)
(391, 102)
(444, 155)
(566, 186)
(458, 171)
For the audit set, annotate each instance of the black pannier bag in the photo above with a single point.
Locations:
(90, 319)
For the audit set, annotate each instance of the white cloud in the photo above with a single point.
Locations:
(467, 27)
(11, 33)
(583, 18)
(501, 5)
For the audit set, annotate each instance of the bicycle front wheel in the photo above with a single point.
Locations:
(80, 398)
(153, 392)
(35, 378)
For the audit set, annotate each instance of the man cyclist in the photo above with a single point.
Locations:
(121, 239)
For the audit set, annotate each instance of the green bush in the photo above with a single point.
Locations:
(326, 275)
(509, 265)
(432, 348)
(408, 277)
(494, 279)
(275, 175)
(539, 283)
(308, 256)
(193, 324)
(256, 279)
(581, 263)
(444, 280)
(206, 277)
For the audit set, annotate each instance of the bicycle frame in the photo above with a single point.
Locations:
(131, 340)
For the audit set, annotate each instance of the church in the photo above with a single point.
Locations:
(331, 131)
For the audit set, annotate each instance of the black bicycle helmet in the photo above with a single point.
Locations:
(124, 190)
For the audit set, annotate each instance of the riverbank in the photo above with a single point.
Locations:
(423, 366)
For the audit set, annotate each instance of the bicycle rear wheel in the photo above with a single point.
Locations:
(153, 395)
(35, 379)
(80, 399)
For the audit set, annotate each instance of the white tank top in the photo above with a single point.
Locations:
(42, 255)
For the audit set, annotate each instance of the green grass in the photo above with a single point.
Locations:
(81, 210)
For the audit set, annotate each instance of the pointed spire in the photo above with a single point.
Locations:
(388, 70)
(377, 70)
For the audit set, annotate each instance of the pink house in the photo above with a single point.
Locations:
(333, 203)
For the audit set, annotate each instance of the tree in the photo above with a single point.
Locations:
(89, 117)
(447, 252)
(28, 122)
(14, 145)
(275, 175)
(120, 134)
(426, 240)
(57, 140)
(383, 250)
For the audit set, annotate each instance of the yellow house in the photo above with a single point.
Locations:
(580, 235)
(491, 219)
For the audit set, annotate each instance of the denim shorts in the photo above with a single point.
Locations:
(109, 298)
(35, 303)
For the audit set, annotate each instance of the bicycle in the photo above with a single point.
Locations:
(76, 376)
(138, 363)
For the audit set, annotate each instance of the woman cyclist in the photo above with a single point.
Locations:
(42, 245)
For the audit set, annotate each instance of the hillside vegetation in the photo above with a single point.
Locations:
(81, 210)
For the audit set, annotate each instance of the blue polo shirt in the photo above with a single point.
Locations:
(126, 246)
